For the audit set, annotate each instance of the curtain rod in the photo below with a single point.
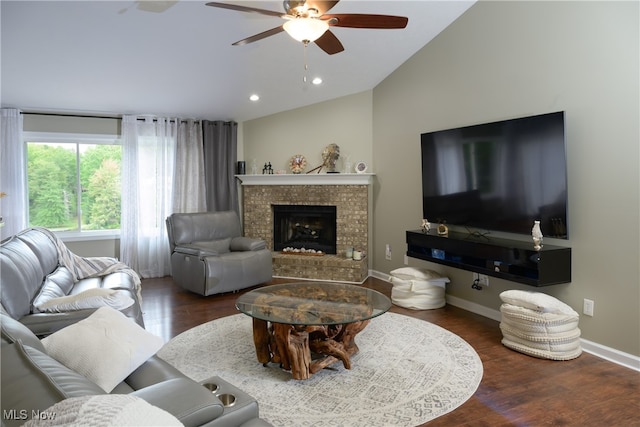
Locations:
(91, 116)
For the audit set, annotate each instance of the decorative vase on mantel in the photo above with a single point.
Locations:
(536, 234)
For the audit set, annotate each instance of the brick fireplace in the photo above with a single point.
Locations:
(348, 193)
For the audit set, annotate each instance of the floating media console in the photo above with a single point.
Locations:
(507, 259)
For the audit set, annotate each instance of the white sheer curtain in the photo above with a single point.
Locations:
(148, 163)
(189, 176)
(13, 175)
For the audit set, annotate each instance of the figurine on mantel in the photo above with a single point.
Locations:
(330, 156)
(426, 225)
(536, 234)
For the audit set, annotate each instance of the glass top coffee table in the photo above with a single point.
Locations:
(310, 325)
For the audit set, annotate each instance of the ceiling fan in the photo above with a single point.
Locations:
(308, 21)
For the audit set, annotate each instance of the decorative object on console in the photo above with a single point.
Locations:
(536, 234)
(426, 225)
(443, 230)
(361, 167)
(297, 163)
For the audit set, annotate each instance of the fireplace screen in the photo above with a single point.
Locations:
(303, 226)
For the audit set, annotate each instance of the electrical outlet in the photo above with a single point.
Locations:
(406, 259)
(587, 307)
(483, 279)
(387, 252)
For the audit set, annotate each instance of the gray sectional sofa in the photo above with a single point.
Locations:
(32, 275)
(38, 273)
(32, 381)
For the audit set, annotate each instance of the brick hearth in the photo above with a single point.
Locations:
(347, 192)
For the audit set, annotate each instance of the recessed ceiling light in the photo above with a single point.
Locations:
(254, 97)
(316, 81)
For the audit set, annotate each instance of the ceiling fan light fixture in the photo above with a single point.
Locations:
(306, 30)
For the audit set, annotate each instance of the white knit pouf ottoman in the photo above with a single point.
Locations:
(539, 325)
(418, 289)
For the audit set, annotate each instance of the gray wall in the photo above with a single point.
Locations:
(501, 60)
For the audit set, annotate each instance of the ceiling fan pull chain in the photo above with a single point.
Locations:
(306, 66)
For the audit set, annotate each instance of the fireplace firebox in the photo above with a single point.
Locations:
(304, 226)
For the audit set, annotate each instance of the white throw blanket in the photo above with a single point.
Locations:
(105, 411)
(86, 267)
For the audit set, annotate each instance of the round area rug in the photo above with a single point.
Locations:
(407, 372)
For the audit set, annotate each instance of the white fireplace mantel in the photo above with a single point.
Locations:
(308, 179)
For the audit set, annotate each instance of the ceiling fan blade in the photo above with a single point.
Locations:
(245, 9)
(329, 43)
(321, 6)
(361, 20)
(260, 36)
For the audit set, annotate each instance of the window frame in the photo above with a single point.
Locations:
(78, 139)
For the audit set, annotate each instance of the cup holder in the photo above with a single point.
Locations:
(227, 399)
(212, 387)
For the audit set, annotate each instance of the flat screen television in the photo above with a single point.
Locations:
(499, 176)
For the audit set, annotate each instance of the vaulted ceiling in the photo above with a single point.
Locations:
(176, 59)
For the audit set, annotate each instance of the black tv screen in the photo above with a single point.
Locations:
(498, 176)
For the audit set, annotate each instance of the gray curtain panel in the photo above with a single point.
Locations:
(220, 140)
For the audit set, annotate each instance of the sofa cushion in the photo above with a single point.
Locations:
(33, 381)
(21, 276)
(57, 284)
(185, 228)
(91, 298)
(14, 331)
(105, 347)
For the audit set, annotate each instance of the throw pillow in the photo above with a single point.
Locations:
(105, 347)
(536, 301)
(91, 298)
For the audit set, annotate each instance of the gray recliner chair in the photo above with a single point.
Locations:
(210, 256)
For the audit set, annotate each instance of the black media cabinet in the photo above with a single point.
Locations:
(507, 259)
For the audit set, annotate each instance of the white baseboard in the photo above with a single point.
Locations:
(611, 354)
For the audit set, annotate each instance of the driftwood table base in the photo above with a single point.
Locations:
(292, 346)
(308, 326)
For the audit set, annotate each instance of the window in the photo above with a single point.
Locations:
(74, 182)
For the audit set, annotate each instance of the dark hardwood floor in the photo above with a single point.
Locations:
(515, 390)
